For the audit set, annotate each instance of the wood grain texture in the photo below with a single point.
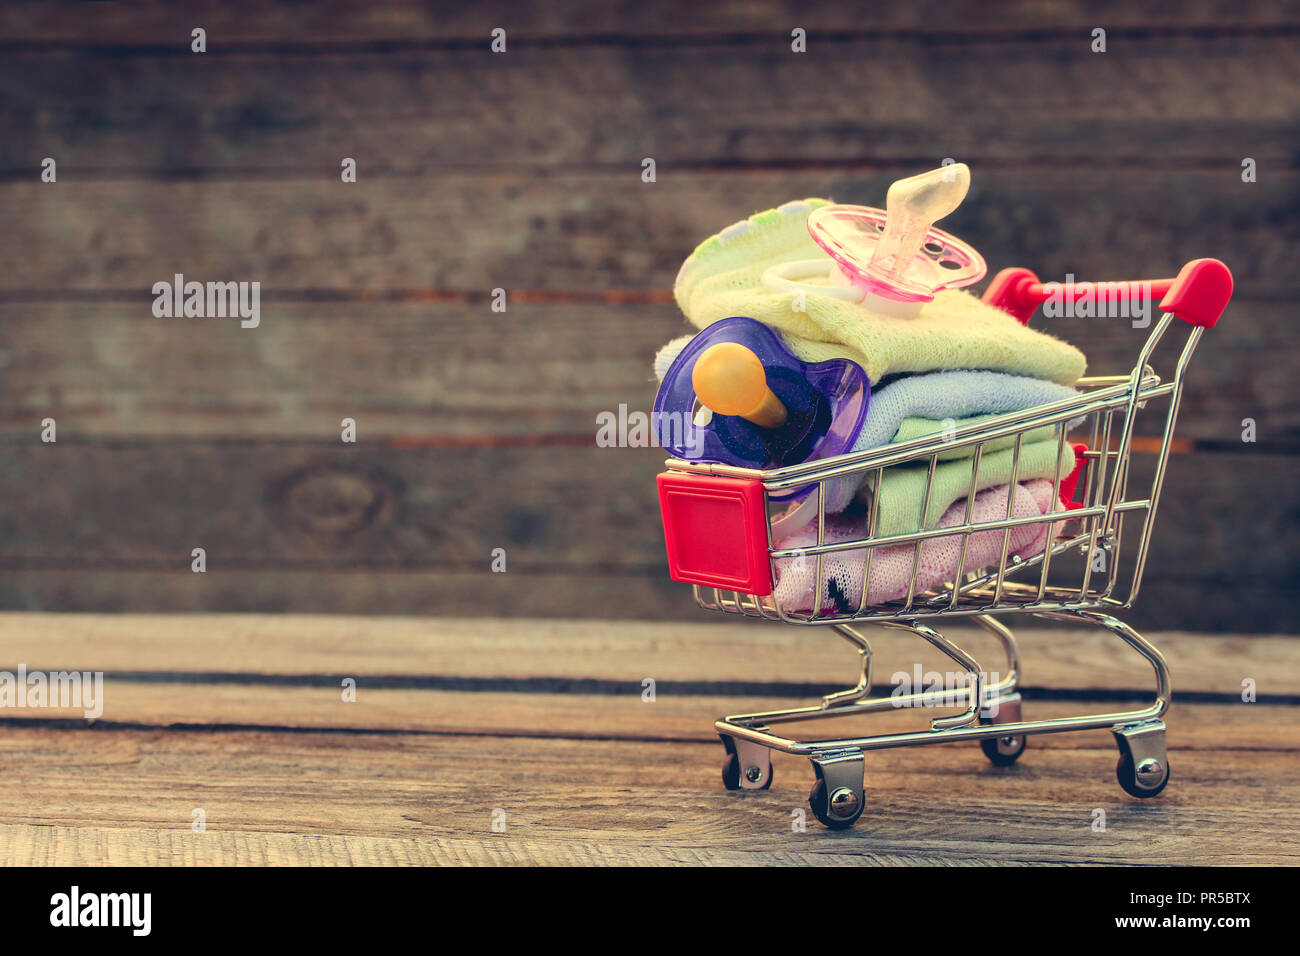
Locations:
(676, 716)
(111, 370)
(316, 505)
(458, 369)
(327, 799)
(1187, 99)
(705, 652)
(585, 231)
(396, 528)
(398, 369)
(339, 24)
(287, 774)
(1193, 601)
(522, 172)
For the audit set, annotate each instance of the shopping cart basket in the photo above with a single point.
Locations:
(718, 523)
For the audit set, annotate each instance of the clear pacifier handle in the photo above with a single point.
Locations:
(914, 205)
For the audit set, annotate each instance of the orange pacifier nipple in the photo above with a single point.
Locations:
(729, 380)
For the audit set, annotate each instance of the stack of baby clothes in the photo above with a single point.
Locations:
(954, 364)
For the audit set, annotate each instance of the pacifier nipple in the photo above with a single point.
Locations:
(894, 260)
(729, 379)
(914, 205)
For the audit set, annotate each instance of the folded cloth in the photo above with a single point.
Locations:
(665, 357)
(902, 491)
(944, 399)
(914, 428)
(891, 566)
(918, 405)
(723, 278)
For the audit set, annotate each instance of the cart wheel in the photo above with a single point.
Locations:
(731, 774)
(849, 806)
(755, 771)
(1003, 751)
(1127, 774)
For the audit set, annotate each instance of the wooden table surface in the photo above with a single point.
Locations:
(541, 726)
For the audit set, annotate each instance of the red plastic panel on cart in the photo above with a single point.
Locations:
(716, 532)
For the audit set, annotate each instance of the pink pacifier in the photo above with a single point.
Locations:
(891, 260)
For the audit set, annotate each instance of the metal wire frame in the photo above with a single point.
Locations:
(968, 725)
(1105, 405)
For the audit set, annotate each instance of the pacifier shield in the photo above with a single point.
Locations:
(826, 404)
(850, 234)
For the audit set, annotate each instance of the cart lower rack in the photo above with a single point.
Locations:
(727, 533)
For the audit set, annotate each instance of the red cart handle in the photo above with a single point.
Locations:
(1198, 294)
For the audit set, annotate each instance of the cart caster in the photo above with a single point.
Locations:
(748, 766)
(1133, 779)
(1003, 751)
(837, 798)
(1143, 768)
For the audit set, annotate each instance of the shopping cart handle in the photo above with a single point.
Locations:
(1198, 294)
(1010, 292)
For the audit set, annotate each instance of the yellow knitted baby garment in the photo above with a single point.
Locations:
(723, 277)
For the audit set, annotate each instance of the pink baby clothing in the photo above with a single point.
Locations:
(891, 566)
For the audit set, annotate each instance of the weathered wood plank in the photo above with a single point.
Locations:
(1191, 601)
(339, 24)
(322, 798)
(425, 222)
(584, 680)
(397, 369)
(43, 845)
(566, 229)
(700, 653)
(416, 775)
(276, 507)
(360, 529)
(1204, 100)
(409, 369)
(130, 705)
(273, 506)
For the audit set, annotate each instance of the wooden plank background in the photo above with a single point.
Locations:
(522, 171)
(242, 716)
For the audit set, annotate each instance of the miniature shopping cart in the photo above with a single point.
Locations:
(718, 522)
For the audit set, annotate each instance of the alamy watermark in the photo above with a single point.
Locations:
(208, 300)
(76, 908)
(934, 689)
(76, 689)
(637, 429)
(1087, 300)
